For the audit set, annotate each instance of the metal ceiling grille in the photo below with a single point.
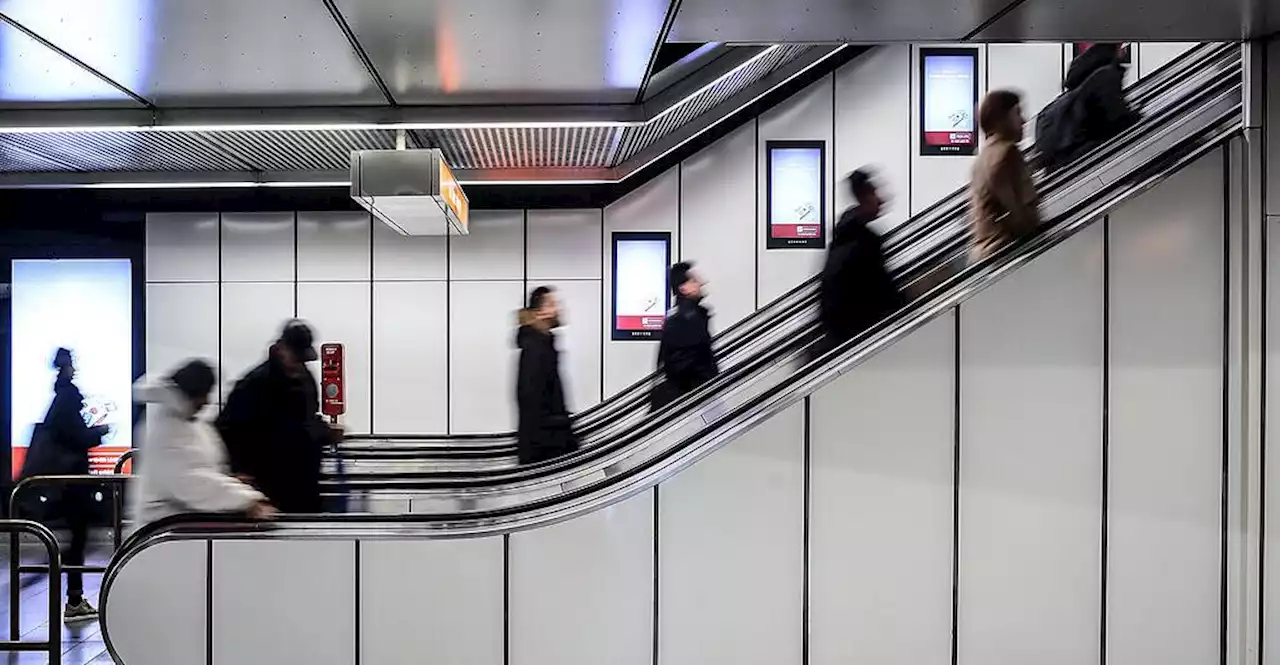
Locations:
(300, 150)
(124, 151)
(524, 148)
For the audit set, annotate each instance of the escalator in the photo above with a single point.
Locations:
(920, 251)
(168, 578)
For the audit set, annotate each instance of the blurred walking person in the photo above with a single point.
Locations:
(272, 426)
(856, 290)
(1002, 197)
(60, 446)
(186, 470)
(545, 430)
(684, 351)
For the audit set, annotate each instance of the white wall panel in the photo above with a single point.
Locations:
(340, 312)
(182, 323)
(252, 317)
(410, 355)
(397, 257)
(936, 176)
(1031, 462)
(182, 247)
(1166, 421)
(652, 207)
(269, 605)
(258, 247)
(482, 355)
(806, 116)
(438, 601)
(579, 341)
(564, 244)
(1271, 109)
(333, 246)
(882, 458)
(158, 606)
(731, 552)
(1271, 525)
(582, 590)
(873, 127)
(493, 249)
(1028, 69)
(718, 223)
(1158, 54)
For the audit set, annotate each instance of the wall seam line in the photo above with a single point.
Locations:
(805, 619)
(1104, 581)
(1225, 445)
(955, 496)
(657, 587)
(356, 609)
(506, 599)
(208, 602)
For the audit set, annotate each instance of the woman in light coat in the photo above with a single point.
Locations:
(183, 467)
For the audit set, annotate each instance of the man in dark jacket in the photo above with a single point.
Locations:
(544, 431)
(684, 351)
(272, 428)
(60, 446)
(855, 290)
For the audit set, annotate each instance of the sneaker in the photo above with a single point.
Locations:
(81, 611)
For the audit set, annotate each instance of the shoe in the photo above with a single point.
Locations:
(81, 611)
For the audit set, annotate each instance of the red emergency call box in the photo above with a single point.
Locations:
(333, 400)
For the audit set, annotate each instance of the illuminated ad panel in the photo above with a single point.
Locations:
(640, 290)
(948, 101)
(795, 191)
(85, 306)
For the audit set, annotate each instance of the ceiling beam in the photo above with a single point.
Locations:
(670, 20)
(341, 21)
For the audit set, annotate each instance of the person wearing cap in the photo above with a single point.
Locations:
(60, 446)
(684, 351)
(272, 427)
(186, 464)
(855, 289)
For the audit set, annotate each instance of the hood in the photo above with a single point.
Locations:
(1094, 58)
(531, 329)
(162, 393)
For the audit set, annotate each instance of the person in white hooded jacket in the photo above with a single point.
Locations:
(183, 466)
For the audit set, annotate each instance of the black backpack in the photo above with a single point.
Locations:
(1059, 128)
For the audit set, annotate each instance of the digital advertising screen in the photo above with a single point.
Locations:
(948, 101)
(85, 305)
(1126, 51)
(796, 191)
(641, 261)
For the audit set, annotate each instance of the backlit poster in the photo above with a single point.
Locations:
(948, 101)
(641, 261)
(795, 192)
(85, 306)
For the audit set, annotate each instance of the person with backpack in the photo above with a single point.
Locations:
(1090, 111)
(60, 446)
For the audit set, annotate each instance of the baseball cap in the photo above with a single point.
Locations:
(299, 339)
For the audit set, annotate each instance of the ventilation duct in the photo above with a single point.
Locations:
(412, 191)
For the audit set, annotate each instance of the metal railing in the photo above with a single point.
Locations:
(53, 642)
(114, 482)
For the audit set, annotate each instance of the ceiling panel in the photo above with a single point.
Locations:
(1135, 20)
(517, 51)
(33, 75)
(765, 21)
(125, 151)
(204, 53)
(300, 150)
(17, 160)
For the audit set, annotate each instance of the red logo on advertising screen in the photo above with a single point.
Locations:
(948, 138)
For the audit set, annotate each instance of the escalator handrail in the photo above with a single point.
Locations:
(463, 479)
(928, 222)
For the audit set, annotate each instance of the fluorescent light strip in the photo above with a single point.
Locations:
(320, 127)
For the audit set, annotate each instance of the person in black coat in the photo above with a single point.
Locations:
(856, 290)
(544, 431)
(684, 351)
(1094, 107)
(60, 446)
(272, 427)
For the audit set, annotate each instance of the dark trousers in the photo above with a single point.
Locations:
(75, 510)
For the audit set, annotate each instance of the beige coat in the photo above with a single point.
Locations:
(1002, 198)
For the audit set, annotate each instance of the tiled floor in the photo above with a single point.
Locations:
(81, 643)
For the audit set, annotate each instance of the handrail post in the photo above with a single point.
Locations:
(15, 595)
(53, 641)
